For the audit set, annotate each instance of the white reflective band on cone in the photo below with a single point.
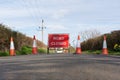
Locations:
(34, 43)
(104, 44)
(12, 45)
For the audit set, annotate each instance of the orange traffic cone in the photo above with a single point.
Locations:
(78, 46)
(105, 50)
(34, 49)
(12, 49)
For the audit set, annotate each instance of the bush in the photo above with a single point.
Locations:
(18, 52)
(114, 52)
(25, 50)
(97, 52)
(117, 47)
(42, 50)
(4, 53)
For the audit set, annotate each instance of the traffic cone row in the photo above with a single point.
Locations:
(12, 48)
(104, 51)
(78, 47)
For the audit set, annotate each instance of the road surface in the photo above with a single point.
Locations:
(60, 67)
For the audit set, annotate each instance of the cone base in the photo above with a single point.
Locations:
(34, 50)
(105, 51)
(12, 52)
(78, 51)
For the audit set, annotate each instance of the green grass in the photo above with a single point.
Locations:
(42, 50)
(25, 50)
(114, 52)
(4, 53)
(100, 52)
(92, 52)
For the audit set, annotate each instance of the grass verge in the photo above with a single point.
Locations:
(110, 52)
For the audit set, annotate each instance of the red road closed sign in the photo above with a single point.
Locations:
(58, 40)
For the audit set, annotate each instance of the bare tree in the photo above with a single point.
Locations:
(88, 34)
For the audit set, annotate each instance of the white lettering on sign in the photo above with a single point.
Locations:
(58, 38)
(52, 43)
(58, 43)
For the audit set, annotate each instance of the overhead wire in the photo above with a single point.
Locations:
(28, 7)
(38, 8)
(32, 7)
(35, 9)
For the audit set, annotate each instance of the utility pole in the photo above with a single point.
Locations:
(42, 29)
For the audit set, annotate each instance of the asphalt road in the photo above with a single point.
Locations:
(60, 67)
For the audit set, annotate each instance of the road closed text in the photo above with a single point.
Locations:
(58, 43)
(58, 40)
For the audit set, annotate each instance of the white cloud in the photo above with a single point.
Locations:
(12, 13)
(56, 27)
(60, 13)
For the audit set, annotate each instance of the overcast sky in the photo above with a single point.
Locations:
(60, 16)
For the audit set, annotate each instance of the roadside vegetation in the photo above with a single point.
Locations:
(26, 50)
(98, 52)
(94, 45)
(22, 43)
